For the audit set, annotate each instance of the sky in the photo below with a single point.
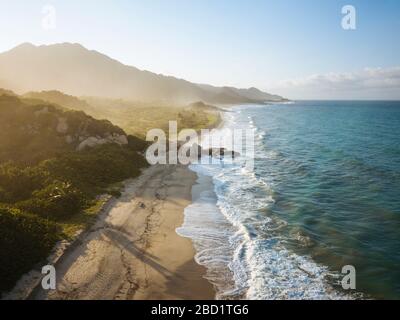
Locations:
(296, 48)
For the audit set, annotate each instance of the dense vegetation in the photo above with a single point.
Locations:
(45, 183)
(58, 98)
(138, 118)
(135, 118)
(49, 189)
(25, 239)
(31, 133)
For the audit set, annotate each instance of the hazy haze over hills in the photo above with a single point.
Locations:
(75, 70)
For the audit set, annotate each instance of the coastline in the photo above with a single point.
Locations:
(187, 279)
(236, 237)
(209, 230)
(133, 251)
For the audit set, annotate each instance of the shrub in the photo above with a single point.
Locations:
(18, 184)
(57, 200)
(137, 144)
(25, 240)
(92, 170)
(115, 193)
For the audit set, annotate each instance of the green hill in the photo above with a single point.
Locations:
(31, 133)
(54, 163)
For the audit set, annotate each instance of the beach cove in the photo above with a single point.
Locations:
(133, 251)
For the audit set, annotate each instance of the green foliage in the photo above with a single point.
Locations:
(62, 186)
(28, 133)
(115, 193)
(25, 240)
(92, 170)
(31, 133)
(53, 192)
(45, 184)
(58, 98)
(80, 123)
(137, 118)
(18, 184)
(57, 200)
(137, 144)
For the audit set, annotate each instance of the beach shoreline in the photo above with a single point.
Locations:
(207, 228)
(67, 255)
(133, 251)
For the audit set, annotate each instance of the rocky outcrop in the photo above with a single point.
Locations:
(69, 139)
(45, 110)
(62, 126)
(95, 141)
(48, 131)
(219, 153)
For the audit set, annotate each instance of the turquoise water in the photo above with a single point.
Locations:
(324, 193)
(336, 181)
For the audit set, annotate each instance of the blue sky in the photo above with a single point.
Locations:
(293, 47)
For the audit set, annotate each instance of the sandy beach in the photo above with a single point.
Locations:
(133, 251)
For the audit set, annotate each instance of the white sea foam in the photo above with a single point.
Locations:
(239, 243)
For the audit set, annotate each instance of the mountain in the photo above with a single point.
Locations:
(77, 71)
(233, 95)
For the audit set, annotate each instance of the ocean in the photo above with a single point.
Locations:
(324, 192)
